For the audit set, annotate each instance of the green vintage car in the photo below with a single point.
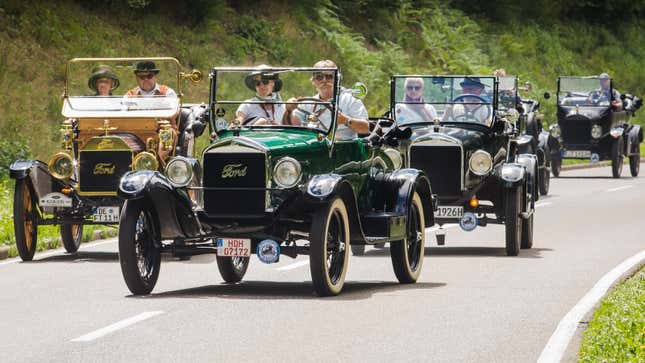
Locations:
(285, 187)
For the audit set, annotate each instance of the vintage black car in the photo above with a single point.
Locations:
(589, 127)
(103, 136)
(470, 151)
(273, 190)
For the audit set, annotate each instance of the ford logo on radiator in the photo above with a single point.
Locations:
(104, 168)
(234, 171)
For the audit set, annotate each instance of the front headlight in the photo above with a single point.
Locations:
(395, 156)
(480, 163)
(512, 115)
(596, 131)
(145, 161)
(179, 172)
(555, 131)
(61, 165)
(287, 172)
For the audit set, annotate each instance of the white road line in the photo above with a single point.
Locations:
(116, 326)
(58, 251)
(436, 228)
(542, 204)
(619, 188)
(565, 330)
(293, 265)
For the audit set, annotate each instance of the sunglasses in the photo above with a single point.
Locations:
(145, 76)
(415, 88)
(320, 76)
(264, 82)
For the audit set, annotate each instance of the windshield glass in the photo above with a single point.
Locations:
(118, 88)
(467, 99)
(507, 94)
(584, 91)
(275, 97)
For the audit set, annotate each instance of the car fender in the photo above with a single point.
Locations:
(171, 205)
(402, 184)
(511, 174)
(530, 162)
(617, 132)
(38, 174)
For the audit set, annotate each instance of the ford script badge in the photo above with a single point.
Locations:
(268, 251)
(104, 168)
(234, 171)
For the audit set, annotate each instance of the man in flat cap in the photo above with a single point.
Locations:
(606, 93)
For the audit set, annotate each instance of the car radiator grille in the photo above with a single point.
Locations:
(576, 132)
(100, 171)
(242, 177)
(442, 164)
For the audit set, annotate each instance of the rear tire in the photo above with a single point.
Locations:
(513, 221)
(25, 219)
(617, 157)
(72, 235)
(232, 269)
(328, 255)
(407, 255)
(635, 164)
(545, 181)
(139, 252)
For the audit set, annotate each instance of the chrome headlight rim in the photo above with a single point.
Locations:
(395, 157)
(596, 131)
(189, 171)
(54, 159)
(140, 156)
(487, 158)
(282, 161)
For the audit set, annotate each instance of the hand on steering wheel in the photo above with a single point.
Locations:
(470, 113)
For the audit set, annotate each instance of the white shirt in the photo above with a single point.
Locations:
(348, 105)
(255, 110)
(409, 113)
(155, 91)
(481, 114)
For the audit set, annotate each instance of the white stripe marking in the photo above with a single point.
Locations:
(436, 228)
(542, 204)
(619, 188)
(116, 326)
(58, 251)
(557, 344)
(293, 265)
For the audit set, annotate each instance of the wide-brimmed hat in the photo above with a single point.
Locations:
(146, 66)
(259, 75)
(103, 71)
(472, 81)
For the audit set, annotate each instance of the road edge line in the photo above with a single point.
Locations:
(121, 324)
(560, 339)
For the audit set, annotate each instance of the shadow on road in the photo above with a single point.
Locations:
(252, 290)
(81, 256)
(463, 251)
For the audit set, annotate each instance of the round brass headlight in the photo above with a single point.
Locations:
(480, 163)
(179, 172)
(287, 172)
(145, 161)
(61, 165)
(395, 156)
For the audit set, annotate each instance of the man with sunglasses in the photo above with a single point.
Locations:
(146, 73)
(352, 114)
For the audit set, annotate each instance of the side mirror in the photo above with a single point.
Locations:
(547, 95)
(359, 90)
(622, 97)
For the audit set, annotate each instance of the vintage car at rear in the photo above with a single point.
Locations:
(470, 151)
(105, 134)
(275, 190)
(590, 128)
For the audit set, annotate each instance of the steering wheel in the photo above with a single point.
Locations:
(470, 113)
(313, 116)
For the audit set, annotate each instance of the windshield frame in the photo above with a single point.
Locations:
(611, 90)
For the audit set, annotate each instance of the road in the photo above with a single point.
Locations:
(471, 304)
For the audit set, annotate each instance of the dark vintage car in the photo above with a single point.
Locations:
(470, 151)
(274, 190)
(533, 138)
(589, 127)
(103, 136)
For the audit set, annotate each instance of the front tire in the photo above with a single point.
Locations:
(513, 222)
(617, 157)
(139, 251)
(527, 227)
(72, 235)
(556, 166)
(545, 181)
(25, 219)
(407, 255)
(232, 269)
(328, 255)
(634, 164)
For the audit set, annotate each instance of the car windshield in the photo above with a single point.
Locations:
(507, 96)
(122, 88)
(461, 99)
(584, 92)
(278, 98)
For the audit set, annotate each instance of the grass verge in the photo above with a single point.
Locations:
(617, 331)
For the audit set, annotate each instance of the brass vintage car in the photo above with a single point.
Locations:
(121, 114)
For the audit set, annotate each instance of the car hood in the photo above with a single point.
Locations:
(580, 113)
(278, 141)
(469, 139)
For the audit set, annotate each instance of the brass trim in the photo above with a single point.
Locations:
(141, 155)
(56, 157)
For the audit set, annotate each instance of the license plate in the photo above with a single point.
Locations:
(106, 214)
(577, 154)
(234, 247)
(55, 200)
(449, 212)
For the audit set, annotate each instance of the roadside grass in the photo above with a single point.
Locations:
(577, 161)
(617, 330)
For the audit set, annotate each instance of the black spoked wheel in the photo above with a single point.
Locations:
(139, 252)
(25, 219)
(407, 255)
(513, 222)
(556, 166)
(635, 164)
(545, 180)
(232, 269)
(329, 239)
(617, 157)
(527, 225)
(358, 250)
(71, 234)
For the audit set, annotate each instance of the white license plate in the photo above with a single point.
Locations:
(449, 212)
(234, 247)
(106, 214)
(55, 199)
(577, 154)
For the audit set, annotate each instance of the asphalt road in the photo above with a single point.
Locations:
(472, 303)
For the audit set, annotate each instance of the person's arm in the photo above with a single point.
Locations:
(355, 116)
(617, 103)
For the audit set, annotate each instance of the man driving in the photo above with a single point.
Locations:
(606, 93)
(474, 108)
